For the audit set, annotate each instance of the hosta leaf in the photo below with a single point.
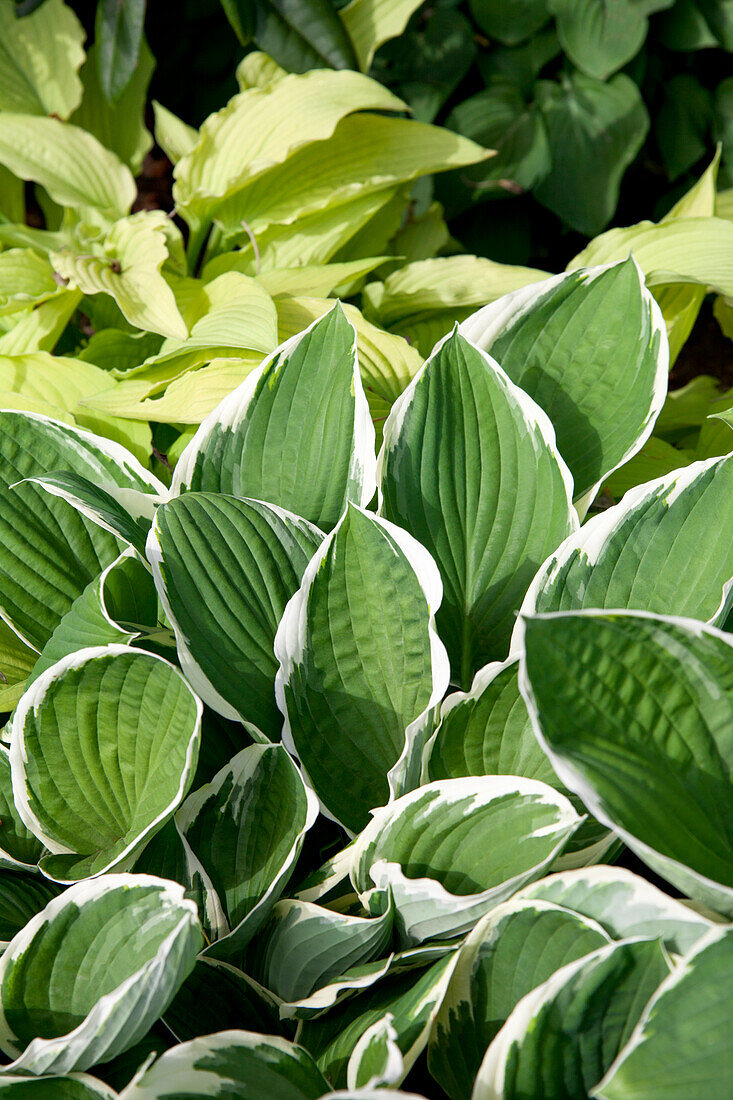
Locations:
(21, 897)
(591, 349)
(634, 713)
(19, 848)
(595, 130)
(460, 423)
(40, 329)
(80, 1086)
(118, 33)
(71, 164)
(645, 552)
(681, 1046)
(225, 569)
(128, 269)
(568, 1030)
(261, 127)
(452, 850)
(125, 942)
(371, 23)
(16, 661)
(303, 35)
(130, 523)
(376, 1059)
(510, 24)
(26, 278)
(213, 995)
(303, 946)
(39, 59)
(296, 433)
(360, 662)
(175, 137)
(511, 951)
(237, 1064)
(624, 904)
(247, 827)
(119, 126)
(104, 747)
(599, 37)
(48, 552)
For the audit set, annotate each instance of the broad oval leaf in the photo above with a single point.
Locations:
(225, 568)
(104, 747)
(599, 36)
(512, 950)
(360, 662)
(452, 850)
(681, 1045)
(126, 942)
(636, 714)
(307, 34)
(590, 348)
(118, 36)
(237, 1064)
(568, 1030)
(449, 444)
(40, 56)
(246, 828)
(22, 895)
(296, 433)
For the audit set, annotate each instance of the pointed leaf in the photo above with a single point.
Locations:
(104, 747)
(376, 1060)
(591, 349)
(360, 662)
(449, 444)
(371, 23)
(126, 943)
(225, 569)
(39, 58)
(119, 126)
(599, 37)
(118, 35)
(300, 36)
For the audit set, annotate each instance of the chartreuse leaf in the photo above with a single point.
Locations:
(225, 569)
(296, 433)
(454, 849)
(634, 711)
(459, 424)
(175, 137)
(591, 349)
(567, 1031)
(645, 552)
(237, 1064)
(304, 946)
(246, 828)
(261, 127)
(119, 126)
(48, 552)
(16, 661)
(71, 164)
(104, 747)
(624, 904)
(124, 943)
(39, 59)
(599, 37)
(681, 1045)
(22, 895)
(40, 328)
(370, 23)
(26, 278)
(511, 951)
(115, 607)
(118, 34)
(361, 665)
(376, 1060)
(19, 848)
(128, 268)
(80, 1086)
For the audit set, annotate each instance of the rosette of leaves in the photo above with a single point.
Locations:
(319, 751)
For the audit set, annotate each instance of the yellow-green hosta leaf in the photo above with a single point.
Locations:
(125, 942)
(71, 164)
(656, 458)
(568, 1030)
(16, 660)
(366, 153)
(448, 438)
(239, 1064)
(120, 126)
(26, 278)
(39, 59)
(681, 1045)
(370, 23)
(261, 127)
(511, 951)
(175, 137)
(94, 782)
(452, 850)
(128, 268)
(246, 828)
(257, 70)
(590, 347)
(354, 711)
(314, 280)
(40, 328)
(225, 569)
(645, 552)
(296, 433)
(634, 711)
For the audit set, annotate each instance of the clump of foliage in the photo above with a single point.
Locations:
(318, 754)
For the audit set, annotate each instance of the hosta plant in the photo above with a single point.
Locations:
(321, 760)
